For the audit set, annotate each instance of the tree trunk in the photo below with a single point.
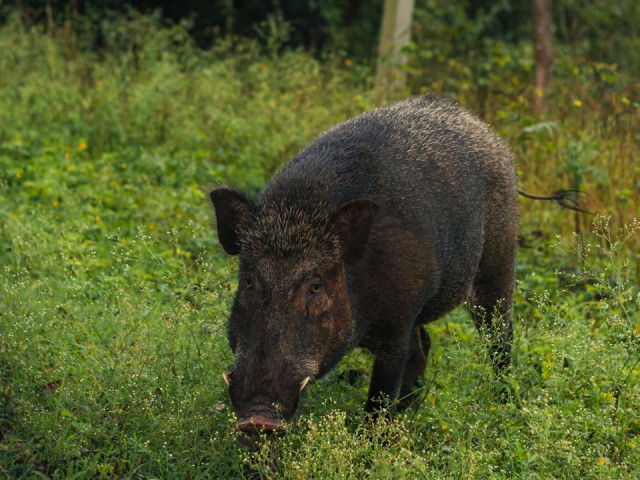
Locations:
(543, 43)
(395, 33)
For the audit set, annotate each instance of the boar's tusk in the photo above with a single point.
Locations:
(227, 377)
(303, 383)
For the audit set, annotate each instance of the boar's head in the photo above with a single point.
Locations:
(291, 317)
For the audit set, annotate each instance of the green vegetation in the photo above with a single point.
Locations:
(115, 291)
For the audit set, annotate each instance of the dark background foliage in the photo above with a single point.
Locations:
(600, 29)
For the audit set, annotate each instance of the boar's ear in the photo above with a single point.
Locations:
(353, 221)
(232, 210)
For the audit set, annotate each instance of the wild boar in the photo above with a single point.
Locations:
(384, 223)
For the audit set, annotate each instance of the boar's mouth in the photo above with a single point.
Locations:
(260, 420)
(264, 417)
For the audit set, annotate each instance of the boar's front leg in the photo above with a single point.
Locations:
(388, 372)
(415, 367)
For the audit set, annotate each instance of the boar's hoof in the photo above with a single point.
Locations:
(259, 424)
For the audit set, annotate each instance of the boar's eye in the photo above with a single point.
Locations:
(315, 288)
(248, 283)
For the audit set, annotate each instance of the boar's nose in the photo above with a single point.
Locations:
(258, 424)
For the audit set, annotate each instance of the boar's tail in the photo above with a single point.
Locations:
(571, 199)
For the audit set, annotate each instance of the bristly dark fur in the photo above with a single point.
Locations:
(289, 231)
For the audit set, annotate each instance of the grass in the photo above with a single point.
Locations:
(115, 291)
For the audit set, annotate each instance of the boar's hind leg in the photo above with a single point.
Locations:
(414, 370)
(493, 289)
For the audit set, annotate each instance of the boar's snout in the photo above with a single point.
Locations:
(260, 416)
(264, 410)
